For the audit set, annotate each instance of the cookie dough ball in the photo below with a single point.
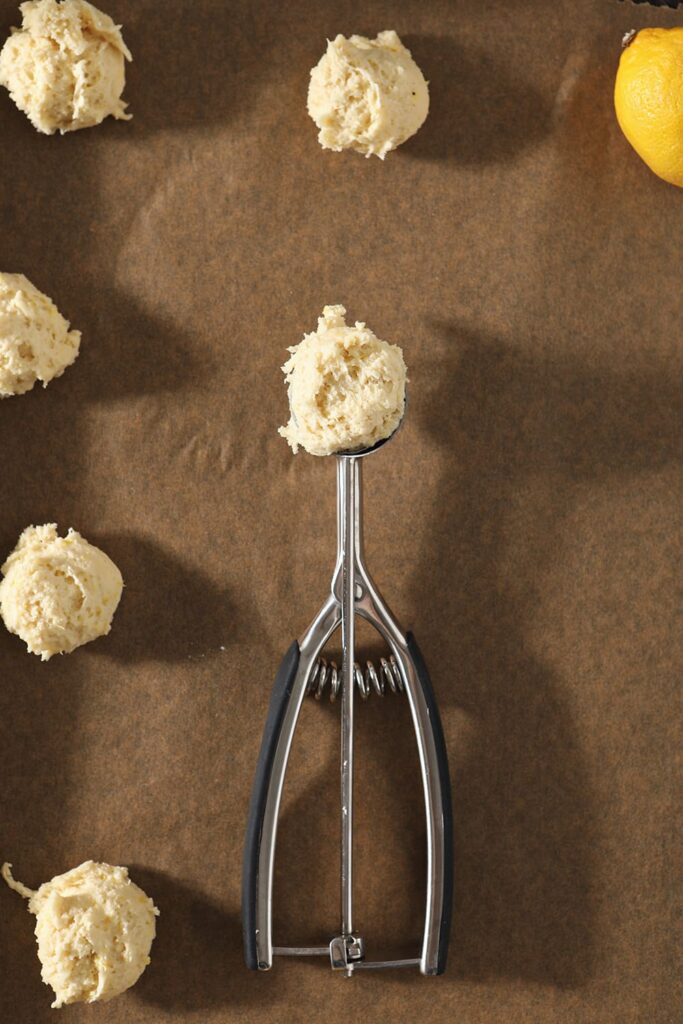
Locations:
(94, 929)
(65, 67)
(35, 340)
(58, 592)
(367, 94)
(346, 387)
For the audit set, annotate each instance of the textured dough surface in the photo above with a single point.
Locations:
(346, 387)
(94, 929)
(65, 67)
(58, 592)
(367, 94)
(35, 340)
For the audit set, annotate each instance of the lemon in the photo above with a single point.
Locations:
(648, 98)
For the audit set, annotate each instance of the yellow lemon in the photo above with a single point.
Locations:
(648, 97)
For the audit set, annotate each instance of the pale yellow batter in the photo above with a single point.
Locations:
(65, 67)
(35, 341)
(94, 929)
(346, 387)
(58, 592)
(367, 94)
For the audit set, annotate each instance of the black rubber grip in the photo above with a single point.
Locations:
(446, 806)
(282, 691)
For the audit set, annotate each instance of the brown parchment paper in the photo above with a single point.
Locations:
(525, 523)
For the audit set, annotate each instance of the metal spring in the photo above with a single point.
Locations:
(368, 680)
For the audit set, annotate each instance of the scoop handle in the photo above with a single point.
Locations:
(280, 697)
(439, 742)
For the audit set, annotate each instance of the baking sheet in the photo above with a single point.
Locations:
(526, 522)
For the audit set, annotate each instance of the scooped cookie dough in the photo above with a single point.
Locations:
(58, 592)
(346, 387)
(94, 929)
(35, 340)
(65, 67)
(367, 94)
